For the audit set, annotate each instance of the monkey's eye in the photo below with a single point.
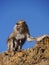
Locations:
(17, 23)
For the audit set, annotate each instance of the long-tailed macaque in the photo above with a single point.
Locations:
(19, 36)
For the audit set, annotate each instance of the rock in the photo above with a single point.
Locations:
(39, 55)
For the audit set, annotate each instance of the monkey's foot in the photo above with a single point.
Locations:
(19, 50)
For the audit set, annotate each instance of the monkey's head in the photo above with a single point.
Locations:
(21, 27)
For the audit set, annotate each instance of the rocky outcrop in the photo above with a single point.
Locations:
(39, 55)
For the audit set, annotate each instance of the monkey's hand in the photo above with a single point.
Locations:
(41, 37)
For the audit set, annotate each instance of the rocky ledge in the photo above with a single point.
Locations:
(39, 55)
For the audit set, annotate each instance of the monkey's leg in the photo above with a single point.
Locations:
(16, 45)
(10, 47)
(19, 46)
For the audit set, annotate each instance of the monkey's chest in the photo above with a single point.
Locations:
(20, 36)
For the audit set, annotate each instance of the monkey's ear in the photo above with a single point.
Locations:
(24, 22)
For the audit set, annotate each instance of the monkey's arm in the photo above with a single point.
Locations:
(29, 38)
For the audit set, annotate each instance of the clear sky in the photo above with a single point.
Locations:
(34, 12)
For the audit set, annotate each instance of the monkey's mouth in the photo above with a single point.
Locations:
(20, 30)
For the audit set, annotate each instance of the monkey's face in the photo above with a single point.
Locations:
(20, 27)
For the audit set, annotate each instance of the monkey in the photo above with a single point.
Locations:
(18, 37)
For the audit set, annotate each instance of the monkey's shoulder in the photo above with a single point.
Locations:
(12, 35)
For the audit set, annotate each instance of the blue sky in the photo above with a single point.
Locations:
(34, 12)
